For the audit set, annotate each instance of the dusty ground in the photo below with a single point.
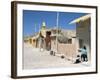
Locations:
(34, 58)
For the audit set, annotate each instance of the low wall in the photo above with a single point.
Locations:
(69, 50)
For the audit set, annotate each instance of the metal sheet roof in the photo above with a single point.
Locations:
(83, 18)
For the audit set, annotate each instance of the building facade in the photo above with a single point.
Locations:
(83, 33)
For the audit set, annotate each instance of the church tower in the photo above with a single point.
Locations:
(43, 29)
(43, 26)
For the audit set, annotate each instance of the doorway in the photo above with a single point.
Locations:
(80, 43)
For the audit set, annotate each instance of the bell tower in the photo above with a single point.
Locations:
(43, 29)
(43, 25)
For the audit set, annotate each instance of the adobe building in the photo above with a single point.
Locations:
(83, 29)
(35, 39)
(63, 43)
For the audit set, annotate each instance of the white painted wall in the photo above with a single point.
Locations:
(5, 41)
(83, 33)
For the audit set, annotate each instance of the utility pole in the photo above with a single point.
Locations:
(57, 23)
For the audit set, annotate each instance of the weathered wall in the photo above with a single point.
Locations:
(69, 50)
(83, 32)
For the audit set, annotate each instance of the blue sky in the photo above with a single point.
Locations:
(32, 20)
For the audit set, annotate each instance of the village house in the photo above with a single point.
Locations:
(63, 43)
(83, 30)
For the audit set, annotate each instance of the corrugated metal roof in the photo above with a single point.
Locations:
(80, 19)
